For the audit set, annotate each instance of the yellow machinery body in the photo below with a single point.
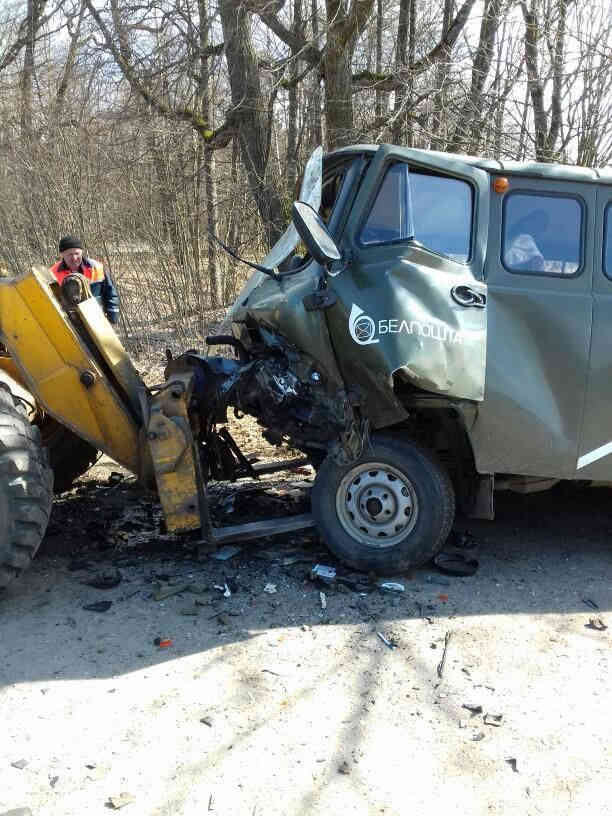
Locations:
(68, 359)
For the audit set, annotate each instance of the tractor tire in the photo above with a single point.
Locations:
(387, 512)
(26, 488)
(69, 455)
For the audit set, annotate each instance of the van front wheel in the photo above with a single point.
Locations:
(387, 512)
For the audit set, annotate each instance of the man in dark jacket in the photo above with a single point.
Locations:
(100, 282)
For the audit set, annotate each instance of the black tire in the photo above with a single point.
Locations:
(389, 511)
(26, 489)
(69, 455)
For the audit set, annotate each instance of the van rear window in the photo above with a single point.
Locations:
(542, 234)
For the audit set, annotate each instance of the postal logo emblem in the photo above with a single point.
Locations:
(365, 331)
(361, 327)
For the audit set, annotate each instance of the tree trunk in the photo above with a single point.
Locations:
(534, 82)
(557, 81)
(292, 124)
(338, 93)
(468, 127)
(403, 27)
(316, 125)
(411, 59)
(442, 70)
(250, 113)
(215, 277)
(215, 282)
(68, 72)
(343, 30)
(380, 95)
(27, 72)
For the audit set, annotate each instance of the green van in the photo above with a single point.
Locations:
(448, 332)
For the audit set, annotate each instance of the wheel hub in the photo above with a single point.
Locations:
(376, 504)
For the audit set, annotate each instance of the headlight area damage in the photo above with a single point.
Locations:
(283, 389)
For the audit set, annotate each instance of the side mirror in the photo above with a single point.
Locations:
(313, 232)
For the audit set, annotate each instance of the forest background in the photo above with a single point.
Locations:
(142, 125)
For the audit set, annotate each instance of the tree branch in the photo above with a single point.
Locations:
(296, 41)
(399, 79)
(220, 137)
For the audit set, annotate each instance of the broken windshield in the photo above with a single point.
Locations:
(310, 192)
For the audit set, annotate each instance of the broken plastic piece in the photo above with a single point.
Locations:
(391, 586)
(270, 589)
(493, 719)
(390, 643)
(323, 573)
(163, 643)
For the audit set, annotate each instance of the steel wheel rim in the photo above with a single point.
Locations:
(377, 504)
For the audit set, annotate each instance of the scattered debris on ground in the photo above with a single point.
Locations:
(197, 652)
(596, 623)
(121, 800)
(98, 606)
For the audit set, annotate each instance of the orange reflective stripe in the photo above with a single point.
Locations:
(59, 275)
(95, 272)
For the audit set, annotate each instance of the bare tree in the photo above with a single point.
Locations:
(442, 74)
(547, 123)
(404, 56)
(74, 24)
(343, 29)
(292, 119)
(34, 20)
(468, 126)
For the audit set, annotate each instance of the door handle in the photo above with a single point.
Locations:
(466, 296)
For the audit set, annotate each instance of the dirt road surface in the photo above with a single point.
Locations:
(266, 704)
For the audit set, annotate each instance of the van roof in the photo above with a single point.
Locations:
(559, 172)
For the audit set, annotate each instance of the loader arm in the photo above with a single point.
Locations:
(69, 358)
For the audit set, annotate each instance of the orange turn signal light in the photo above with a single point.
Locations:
(501, 184)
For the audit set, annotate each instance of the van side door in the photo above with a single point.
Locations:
(539, 274)
(411, 302)
(594, 459)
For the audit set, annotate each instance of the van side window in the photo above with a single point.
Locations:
(442, 213)
(434, 210)
(607, 252)
(541, 234)
(387, 221)
(329, 194)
